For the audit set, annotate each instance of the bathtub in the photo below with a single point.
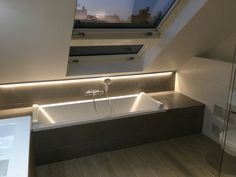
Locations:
(58, 115)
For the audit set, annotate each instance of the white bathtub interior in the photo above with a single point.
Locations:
(61, 114)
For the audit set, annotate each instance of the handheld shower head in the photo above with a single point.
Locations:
(107, 81)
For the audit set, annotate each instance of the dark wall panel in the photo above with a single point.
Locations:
(75, 141)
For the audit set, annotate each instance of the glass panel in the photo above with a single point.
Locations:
(104, 50)
(121, 13)
(228, 135)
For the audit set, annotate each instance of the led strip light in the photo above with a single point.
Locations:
(84, 80)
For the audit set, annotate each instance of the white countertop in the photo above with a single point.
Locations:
(14, 146)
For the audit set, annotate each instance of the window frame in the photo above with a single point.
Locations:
(100, 50)
(118, 36)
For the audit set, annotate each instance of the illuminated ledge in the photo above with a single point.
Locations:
(162, 74)
(15, 112)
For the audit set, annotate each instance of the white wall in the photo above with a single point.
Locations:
(206, 81)
(178, 19)
(34, 39)
(212, 24)
(223, 50)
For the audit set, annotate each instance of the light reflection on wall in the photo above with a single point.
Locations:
(46, 115)
(29, 84)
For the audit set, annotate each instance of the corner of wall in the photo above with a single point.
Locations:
(207, 81)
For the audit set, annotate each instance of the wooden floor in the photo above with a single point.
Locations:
(189, 156)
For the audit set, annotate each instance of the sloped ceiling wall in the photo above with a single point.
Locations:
(34, 39)
(224, 50)
(214, 23)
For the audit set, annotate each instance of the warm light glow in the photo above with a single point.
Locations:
(88, 101)
(136, 102)
(143, 75)
(177, 80)
(48, 117)
(85, 80)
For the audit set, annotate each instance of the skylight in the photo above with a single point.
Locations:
(121, 13)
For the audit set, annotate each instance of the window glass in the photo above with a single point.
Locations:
(121, 13)
(104, 50)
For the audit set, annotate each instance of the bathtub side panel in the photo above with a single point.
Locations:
(76, 141)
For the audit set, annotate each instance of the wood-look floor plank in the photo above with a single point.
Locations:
(208, 153)
(187, 148)
(87, 167)
(120, 164)
(200, 171)
(228, 165)
(189, 156)
(104, 165)
(153, 160)
(192, 151)
(176, 152)
(227, 175)
(176, 163)
(203, 144)
(137, 164)
(71, 169)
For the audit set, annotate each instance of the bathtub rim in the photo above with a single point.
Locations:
(36, 124)
(35, 128)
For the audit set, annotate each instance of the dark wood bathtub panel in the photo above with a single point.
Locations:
(75, 141)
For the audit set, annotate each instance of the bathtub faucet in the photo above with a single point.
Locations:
(94, 92)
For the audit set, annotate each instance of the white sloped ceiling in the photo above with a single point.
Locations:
(214, 23)
(34, 39)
